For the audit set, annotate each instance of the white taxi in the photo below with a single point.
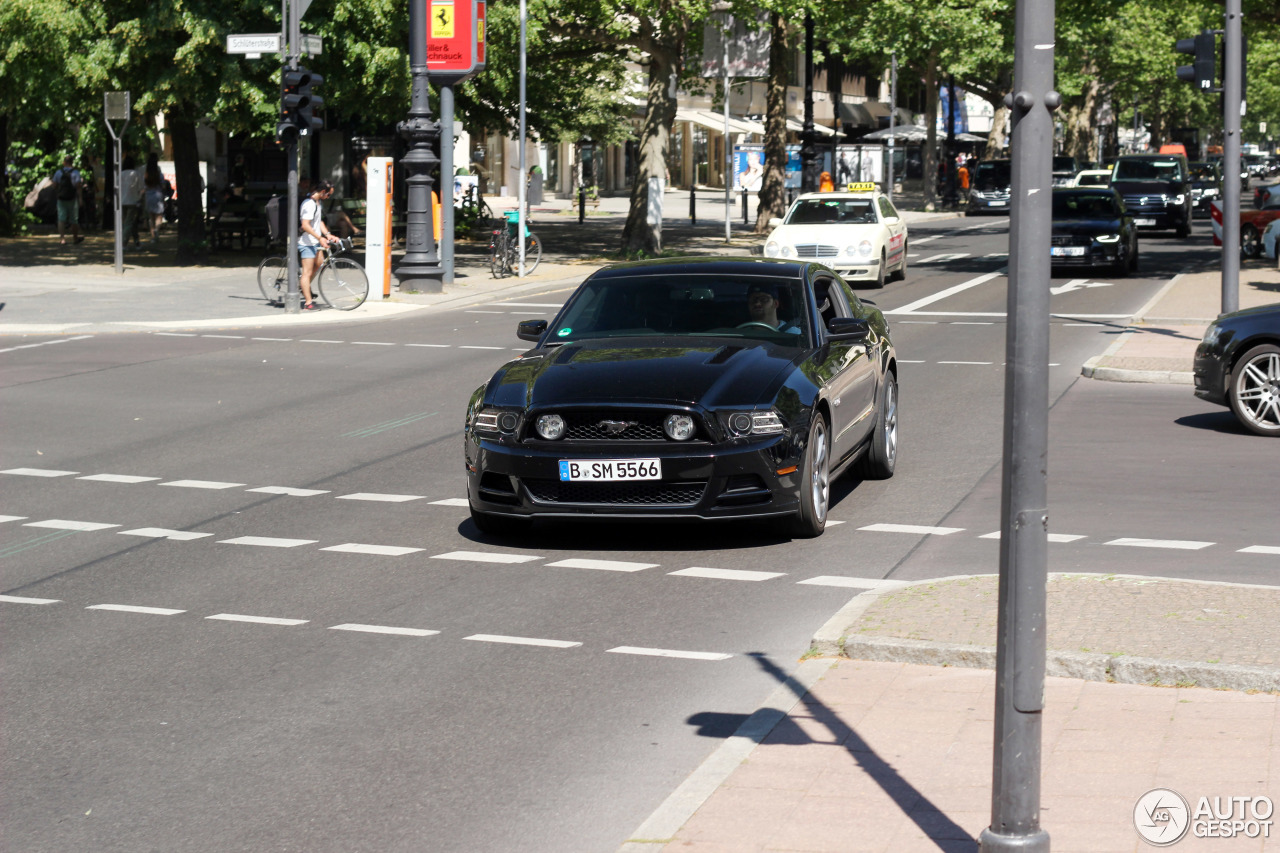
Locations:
(858, 233)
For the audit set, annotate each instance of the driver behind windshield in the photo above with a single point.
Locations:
(762, 307)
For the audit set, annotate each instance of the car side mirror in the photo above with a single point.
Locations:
(774, 222)
(852, 329)
(890, 220)
(531, 330)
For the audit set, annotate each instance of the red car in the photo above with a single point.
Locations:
(1252, 224)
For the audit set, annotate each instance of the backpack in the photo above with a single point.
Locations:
(66, 186)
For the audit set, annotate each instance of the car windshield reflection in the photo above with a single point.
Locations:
(750, 307)
(1084, 206)
(857, 211)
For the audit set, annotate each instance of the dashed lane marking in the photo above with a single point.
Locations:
(133, 608)
(18, 599)
(911, 528)
(261, 620)
(203, 484)
(1259, 549)
(603, 565)
(964, 362)
(162, 533)
(381, 550)
(117, 478)
(289, 490)
(485, 557)
(267, 541)
(47, 343)
(464, 346)
(318, 341)
(668, 653)
(289, 340)
(434, 346)
(1053, 537)
(726, 574)
(64, 524)
(523, 641)
(484, 312)
(452, 502)
(1176, 544)
(374, 496)
(372, 343)
(240, 337)
(176, 334)
(384, 629)
(840, 581)
(4, 518)
(39, 472)
(525, 304)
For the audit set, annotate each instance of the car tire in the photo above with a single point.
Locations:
(880, 278)
(1184, 229)
(499, 525)
(1133, 257)
(1250, 242)
(1254, 392)
(815, 480)
(901, 274)
(881, 456)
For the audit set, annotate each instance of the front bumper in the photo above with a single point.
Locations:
(698, 481)
(1209, 373)
(1158, 218)
(1094, 256)
(982, 204)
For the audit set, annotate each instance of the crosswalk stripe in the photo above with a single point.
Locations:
(379, 550)
(726, 574)
(485, 557)
(1176, 544)
(202, 484)
(911, 528)
(668, 653)
(373, 496)
(162, 533)
(383, 629)
(133, 608)
(267, 541)
(604, 565)
(39, 472)
(63, 524)
(523, 641)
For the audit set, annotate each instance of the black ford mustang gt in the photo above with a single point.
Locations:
(687, 388)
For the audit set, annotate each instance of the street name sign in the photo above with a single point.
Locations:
(254, 43)
(312, 45)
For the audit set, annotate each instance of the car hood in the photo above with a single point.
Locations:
(1258, 312)
(1085, 226)
(838, 234)
(1148, 187)
(712, 372)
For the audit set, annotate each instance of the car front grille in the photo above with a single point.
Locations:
(816, 250)
(1144, 202)
(614, 425)
(631, 493)
(1070, 240)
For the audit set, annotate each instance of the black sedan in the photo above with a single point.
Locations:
(687, 388)
(1238, 365)
(1092, 230)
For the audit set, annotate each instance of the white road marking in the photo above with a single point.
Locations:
(668, 653)
(483, 557)
(476, 347)
(62, 524)
(1176, 544)
(937, 259)
(117, 478)
(973, 323)
(381, 550)
(831, 523)
(223, 336)
(39, 472)
(202, 484)
(943, 294)
(18, 599)
(287, 490)
(841, 581)
(261, 620)
(452, 502)
(1088, 325)
(373, 496)
(383, 629)
(726, 574)
(131, 608)
(964, 362)
(372, 344)
(442, 346)
(918, 322)
(526, 304)
(604, 565)
(176, 334)
(1259, 549)
(267, 541)
(4, 518)
(162, 533)
(290, 340)
(523, 641)
(911, 528)
(1053, 537)
(910, 361)
(484, 312)
(316, 341)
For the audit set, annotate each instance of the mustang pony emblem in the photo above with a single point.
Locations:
(615, 427)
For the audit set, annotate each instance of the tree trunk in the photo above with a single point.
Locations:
(639, 235)
(186, 164)
(931, 134)
(772, 199)
(7, 213)
(999, 131)
(1077, 125)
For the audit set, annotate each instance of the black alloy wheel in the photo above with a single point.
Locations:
(1250, 242)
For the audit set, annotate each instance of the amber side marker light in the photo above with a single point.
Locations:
(790, 470)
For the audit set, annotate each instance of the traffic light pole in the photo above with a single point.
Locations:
(1232, 107)
(1020, 639)
(293, 37)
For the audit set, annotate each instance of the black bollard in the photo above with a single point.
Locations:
(744, 207)
(582, 204)
(693, 205)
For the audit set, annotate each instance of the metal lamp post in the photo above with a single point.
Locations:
(808, 151)
(420, 268)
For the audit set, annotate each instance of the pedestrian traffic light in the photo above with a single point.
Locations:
(1204, 48)
(308, 101)
(298, 103)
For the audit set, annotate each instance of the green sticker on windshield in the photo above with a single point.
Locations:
(564, 332)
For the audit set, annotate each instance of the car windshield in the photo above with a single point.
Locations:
(1084, 206)
(993, 176)
(759, 307)
(1203, 172)
(857, 211)
(1099, 179)
(1064, 164)
(1148, 170)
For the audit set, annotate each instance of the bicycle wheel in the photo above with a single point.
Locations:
(532, 252)
(273, 279)
(343, 284)
(498, 256)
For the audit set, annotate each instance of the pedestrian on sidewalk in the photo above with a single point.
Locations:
(314, 237)
(68, 182)
(131, 198)
(153, 200)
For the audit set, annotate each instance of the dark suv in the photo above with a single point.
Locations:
(1157, 191)
(990, 187)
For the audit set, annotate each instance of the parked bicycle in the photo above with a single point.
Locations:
(504, 248)
(472, 209)
(340, 282)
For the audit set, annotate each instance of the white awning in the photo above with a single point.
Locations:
(797, 126)
(714, 121)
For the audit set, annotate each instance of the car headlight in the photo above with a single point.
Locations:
(495, 421)
(1179, 198)
(679, 427)
(754, 423)
(1211, 335)
(550, 427)
(772, 249)
(1211, 191)
(1108, 238)
(864, 248)
(787, 251)
(850, 251)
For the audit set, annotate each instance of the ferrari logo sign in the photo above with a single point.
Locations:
(442, 19)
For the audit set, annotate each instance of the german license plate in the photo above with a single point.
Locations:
(585, 470)
(999, 203)
(1141, 222)
(1067, 251)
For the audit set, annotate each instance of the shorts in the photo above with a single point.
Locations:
(307, 251)
(69, 210)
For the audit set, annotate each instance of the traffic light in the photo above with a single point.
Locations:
(1202, 73)
(298, 103)
(309, 102)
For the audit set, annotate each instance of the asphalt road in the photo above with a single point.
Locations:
(340, 661)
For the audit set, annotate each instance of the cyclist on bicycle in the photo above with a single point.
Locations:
(314, 237)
